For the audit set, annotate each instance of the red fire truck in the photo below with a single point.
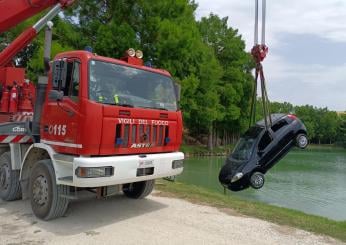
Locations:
(91, 123)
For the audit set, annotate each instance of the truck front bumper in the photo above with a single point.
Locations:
(126, 169)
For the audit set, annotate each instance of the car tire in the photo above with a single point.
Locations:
(10, 189)
(139, 190)
(257, 180)
(302, 141)
(47, 201)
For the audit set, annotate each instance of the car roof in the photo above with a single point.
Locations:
(275, 118)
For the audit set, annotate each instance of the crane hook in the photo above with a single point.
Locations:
(259, 53)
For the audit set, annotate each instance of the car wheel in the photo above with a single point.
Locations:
(139, 190)
(47, 201)
(257, 180)
(302, 141)
(9, 179)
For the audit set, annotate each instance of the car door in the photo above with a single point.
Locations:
(266, 147)
(274, 148)
(284, 134)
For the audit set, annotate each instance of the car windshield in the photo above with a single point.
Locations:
(243, 150)
(244, 147)
(115, 84)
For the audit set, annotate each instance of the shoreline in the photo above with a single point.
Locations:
(278, 215)
(202, 151)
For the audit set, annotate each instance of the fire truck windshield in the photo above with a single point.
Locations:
(116, 84)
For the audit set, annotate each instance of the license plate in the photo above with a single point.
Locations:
(145, 163)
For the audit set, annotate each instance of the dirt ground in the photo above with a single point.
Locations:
(155, 220)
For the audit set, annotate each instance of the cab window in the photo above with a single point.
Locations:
(74, 89)
(70, 85)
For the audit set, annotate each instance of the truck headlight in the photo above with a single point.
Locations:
(131, 52)
(237, 177)
(139, 54)
(178, 164)
(94, 172)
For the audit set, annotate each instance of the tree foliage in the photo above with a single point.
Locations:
(207, 57)
(341, 134)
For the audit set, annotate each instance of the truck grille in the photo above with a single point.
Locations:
(126, 135)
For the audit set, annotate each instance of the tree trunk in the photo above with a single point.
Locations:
(216, 140)
(210, 138)
(223, 142)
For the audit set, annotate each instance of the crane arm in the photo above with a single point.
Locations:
(30, 33)
(14, 12)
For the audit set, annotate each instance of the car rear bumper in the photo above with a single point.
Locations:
(126, 169)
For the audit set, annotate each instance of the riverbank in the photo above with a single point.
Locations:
(229, 203)
(202, 151)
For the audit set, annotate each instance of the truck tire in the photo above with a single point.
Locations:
(45, 195)
(9, 179)
(139, 190)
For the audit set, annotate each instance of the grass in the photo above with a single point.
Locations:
(325, 147)
(278, 215)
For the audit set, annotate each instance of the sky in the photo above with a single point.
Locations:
(306, 63)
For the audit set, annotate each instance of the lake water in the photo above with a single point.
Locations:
(312, 181)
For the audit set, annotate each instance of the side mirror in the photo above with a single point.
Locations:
(55, 95)
(177, 90)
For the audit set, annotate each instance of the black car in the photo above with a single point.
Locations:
(260, 149)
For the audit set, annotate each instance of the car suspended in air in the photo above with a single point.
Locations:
(259, 149)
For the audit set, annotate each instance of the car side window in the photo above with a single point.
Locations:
(279, 125)
(265, 141)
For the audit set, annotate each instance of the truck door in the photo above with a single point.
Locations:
(60, 118)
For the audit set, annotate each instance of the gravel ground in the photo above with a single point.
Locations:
(155, 220)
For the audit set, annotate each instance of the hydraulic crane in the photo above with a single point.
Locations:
(17, 93)
(14, 12)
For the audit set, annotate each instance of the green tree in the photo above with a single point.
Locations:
(342, 130)
(168, 34)
(31, 57)
(235, 85)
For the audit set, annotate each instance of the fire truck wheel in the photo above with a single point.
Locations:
(46, 198)
(9, 179)
(139, 190)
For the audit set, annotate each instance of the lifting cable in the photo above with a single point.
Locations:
(259, 52)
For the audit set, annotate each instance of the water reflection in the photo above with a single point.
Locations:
(311, 181)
